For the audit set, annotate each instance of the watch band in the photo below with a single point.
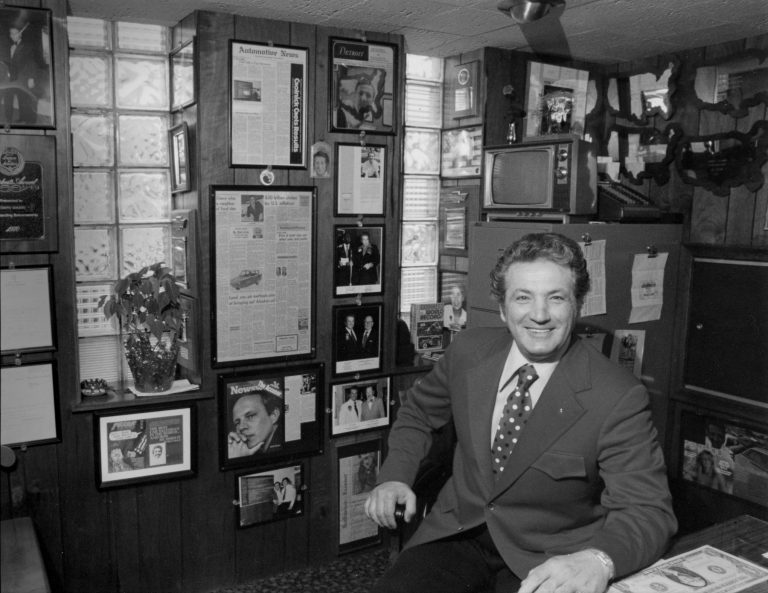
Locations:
(606, 561)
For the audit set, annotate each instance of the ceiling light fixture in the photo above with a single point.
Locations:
(527, 11)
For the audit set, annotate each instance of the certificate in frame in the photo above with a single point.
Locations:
(29, 398)
(363, 86)
(360, 175)
(144, 445)
(26, 302)
(28, 194)
(178, 138)
(31, 92)
(358, 466)
(291, 399)
(257, 102)
(263, 252)
(270, 495)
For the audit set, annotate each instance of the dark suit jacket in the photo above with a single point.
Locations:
(586, 472)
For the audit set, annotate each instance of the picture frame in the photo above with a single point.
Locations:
(30, 217)
(351, 412)
(322, 160)
(260, 500)
(556, 100)
(724, 454)
(357, 466)
(461, 152)
(183, 77)
(29, 404)
(419, 243)
(358, 263)
(178, 140)
(258, 115)
(454, 228)
(350, 355)
(145, 444)
(363, 86)
(31, 104)
(463, 90)
(360, 179)
(627, 349)
(291, 399)
(253, 260)
(28, 314)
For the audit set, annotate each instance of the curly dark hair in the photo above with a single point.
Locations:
(554, 247)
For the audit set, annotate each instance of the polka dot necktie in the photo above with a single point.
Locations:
(516, 412)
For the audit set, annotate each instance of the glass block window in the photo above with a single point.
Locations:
(421, 182)
(119, 80)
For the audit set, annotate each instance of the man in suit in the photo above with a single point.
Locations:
(343, 275)
(349, 342)
(366, 259)
(369, 343)
(582, 497)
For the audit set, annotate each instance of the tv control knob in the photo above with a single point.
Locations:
(562, 154)
(561, 173)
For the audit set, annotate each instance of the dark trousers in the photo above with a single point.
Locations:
(466, 563)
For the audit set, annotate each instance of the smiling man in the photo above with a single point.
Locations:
(558, 484)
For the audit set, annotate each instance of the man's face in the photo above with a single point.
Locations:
(15, 35)
(369, 394)
(157, 452)
(366, 240)
(368, 323)
(456, 297)
(352, 395)
(539, 308)
(364, 96)
(349, 322)
(252, 420)
(320, 165)
(716, 435)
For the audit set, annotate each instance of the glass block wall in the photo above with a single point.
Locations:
(419, 234)
(122, 196)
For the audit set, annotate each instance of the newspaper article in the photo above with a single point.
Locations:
(357, 477)
(268, 107)
(263, 273)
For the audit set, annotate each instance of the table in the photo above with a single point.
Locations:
(743, 536)
(23, 570)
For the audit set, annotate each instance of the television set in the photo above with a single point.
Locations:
(539, 178)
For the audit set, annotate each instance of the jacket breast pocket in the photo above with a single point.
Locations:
(561, 466)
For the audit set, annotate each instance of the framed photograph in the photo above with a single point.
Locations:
(178, 139)
(463, 88)
(724, 454)
(358, 467)
(270, 415)
(268, 105)
(183, 80)
(419, 244)
(29, 404)
(360, 175)
(357, 338)
(270, 495)
(556, 102)
(26, 307)
(453, 223)
(28, 204)
(27, 95)
(628, 348)
(263, 244)
(360, 405)
(363, 86)
(358, 260)
(144, 445)
(322, 163)
(462, 152)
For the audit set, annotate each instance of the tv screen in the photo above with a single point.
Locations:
(522, 177)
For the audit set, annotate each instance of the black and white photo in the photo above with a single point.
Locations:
(358, 259)
(360, 405)
(357, 338)
(270, 495)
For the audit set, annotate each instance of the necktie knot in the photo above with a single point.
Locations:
(526, 375)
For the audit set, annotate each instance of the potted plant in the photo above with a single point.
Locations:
(146, 306)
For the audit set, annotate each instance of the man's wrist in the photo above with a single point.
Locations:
(605, 560)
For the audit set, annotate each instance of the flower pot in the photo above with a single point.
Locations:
(152, 362)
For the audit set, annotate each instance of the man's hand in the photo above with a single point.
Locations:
(581, 572)
(380, 504)
(238, 447)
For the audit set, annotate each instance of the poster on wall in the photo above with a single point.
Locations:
(264, 268)
(268, 105)
(28, 194)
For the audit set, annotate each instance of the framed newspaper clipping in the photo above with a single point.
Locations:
(263, 255)
(363, 86)
(268, 105)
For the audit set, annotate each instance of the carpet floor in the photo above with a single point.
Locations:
(349, 574)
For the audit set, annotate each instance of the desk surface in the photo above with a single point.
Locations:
(744, 536)
(23, 570)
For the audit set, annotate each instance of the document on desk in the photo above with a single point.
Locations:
(704, 570)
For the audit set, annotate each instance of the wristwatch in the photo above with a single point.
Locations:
(606, 561)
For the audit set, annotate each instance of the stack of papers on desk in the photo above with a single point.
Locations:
(703, 570)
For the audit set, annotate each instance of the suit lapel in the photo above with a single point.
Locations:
(482, 383)
(555, 412)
